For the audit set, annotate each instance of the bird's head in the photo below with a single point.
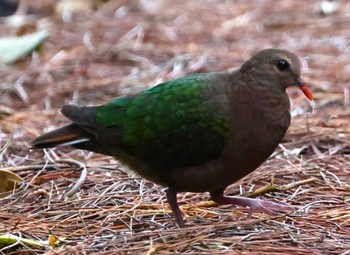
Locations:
(276, 67)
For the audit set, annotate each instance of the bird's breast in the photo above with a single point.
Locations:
(258, 122)
(254, 132)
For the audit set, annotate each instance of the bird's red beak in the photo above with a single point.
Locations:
(301, 85)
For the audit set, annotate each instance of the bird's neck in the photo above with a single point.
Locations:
(259, 91)
(261, 103)
(259, 117)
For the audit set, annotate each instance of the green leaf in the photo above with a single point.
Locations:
(9, 239)
(14, 48)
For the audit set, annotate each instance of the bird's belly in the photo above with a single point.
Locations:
(205, 177)
(241, 157)
(214, 175)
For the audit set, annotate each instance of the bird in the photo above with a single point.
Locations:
(198, 133)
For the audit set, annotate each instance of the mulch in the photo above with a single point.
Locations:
(126, 46)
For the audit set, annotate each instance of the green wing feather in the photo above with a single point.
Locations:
(168, 126)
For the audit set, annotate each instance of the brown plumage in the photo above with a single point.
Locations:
(199, 133)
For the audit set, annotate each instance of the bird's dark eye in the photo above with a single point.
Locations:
(282, 64)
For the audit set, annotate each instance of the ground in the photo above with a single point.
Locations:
(123, 47)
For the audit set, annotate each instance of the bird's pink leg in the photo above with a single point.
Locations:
(172, 201)
(255, 204)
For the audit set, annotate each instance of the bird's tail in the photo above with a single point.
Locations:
(64, 136)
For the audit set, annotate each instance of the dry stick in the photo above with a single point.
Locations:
(81, 179)
(312, 142)
(4, 110)
(271, 187)
(6, 145)
(34, 177)
(76, 186)
(154, 248)
(31, 167)
(298, 183)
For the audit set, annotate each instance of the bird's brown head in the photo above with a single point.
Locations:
(276, 67)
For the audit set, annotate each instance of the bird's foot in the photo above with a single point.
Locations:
(265, 206)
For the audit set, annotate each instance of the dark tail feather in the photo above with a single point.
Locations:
(67, 135)
(81, 115)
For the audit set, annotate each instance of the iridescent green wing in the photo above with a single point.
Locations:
(171, 125)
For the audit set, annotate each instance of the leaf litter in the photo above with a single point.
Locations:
(126, 46)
